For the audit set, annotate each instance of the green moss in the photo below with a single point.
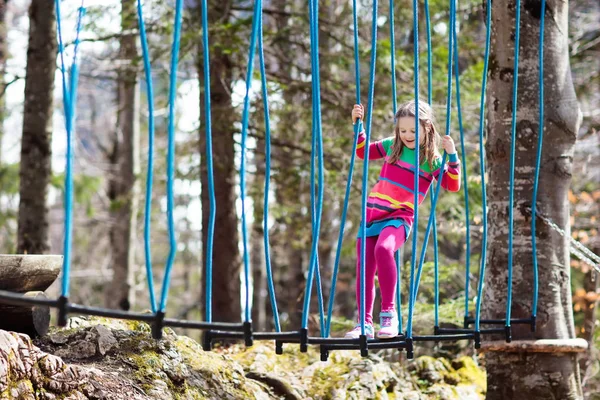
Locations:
(148, 363)
(326, 379)
(470, 373)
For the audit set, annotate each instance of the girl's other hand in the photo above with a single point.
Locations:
(358, 112)
(448, 144)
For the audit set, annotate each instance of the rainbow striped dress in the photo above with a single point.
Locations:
(391, 201)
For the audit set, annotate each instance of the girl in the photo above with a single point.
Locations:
(390, 208)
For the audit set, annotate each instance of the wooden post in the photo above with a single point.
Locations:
(30, 275)
(32, 321)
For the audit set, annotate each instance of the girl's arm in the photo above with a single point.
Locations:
(451, 175)
(377, 150)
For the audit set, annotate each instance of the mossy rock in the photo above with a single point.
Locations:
(176, 367)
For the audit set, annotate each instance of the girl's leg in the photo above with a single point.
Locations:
(389, 241)
(370, 269)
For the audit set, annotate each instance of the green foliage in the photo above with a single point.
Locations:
(85, 188)
(9, 179)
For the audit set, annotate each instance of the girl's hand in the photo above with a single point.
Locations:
(358, 112)
(448, 144)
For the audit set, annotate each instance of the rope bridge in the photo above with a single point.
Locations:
(472, 329)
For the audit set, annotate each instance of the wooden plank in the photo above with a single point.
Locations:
(537, 346)
(26, 273)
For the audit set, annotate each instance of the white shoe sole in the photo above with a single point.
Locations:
(386, 336)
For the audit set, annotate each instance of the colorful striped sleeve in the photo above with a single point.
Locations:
(377, 149)
(451, 176)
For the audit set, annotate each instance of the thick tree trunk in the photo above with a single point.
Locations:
(531, 375)
(35, 167)
(123, 185)
(226, 260)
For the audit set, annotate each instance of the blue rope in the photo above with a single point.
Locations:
(393, 57)
(439, 181)
(209, 162)
(318, 284)
(513, 135)
(366, 166)
(263, 76)
(482, 163)
(397, 256)
(416, 198)
(308, 289)
(315, 147)
(150, 173)
(69, 101)
(538, 160)
(464, 174)
(341, 235)
(245, 116)
(171, 155)
(317, 136)
(357, 128)
(436, 293)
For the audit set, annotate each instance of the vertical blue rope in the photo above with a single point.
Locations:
(538, 160)
(316, 143)
(357, 128)
(321, 168)
(398, 255)
(439, 180)
(513, 137)
(245, 116)
(265, 96)
(209, 162)
(366, 165)
(398, 294)
(62, 63)
(482, 163)
(150, 173)
(436, 286)
(416, 184)
(171, 155)
(69, 101)
(313, 18)
(464, 173)
(314, 149)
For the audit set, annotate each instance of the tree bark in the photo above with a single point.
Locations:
(226, 260)
(35, 168)
(123, 184)
(259, 273)
(531, 375)
(3, 46)
(30, 320)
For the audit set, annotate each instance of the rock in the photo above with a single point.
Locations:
(105, 339)
(123, 361)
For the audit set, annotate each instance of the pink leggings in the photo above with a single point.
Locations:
(380, 252)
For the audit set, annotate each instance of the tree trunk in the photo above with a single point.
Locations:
(35, 168)
(123, 185)
(531, 375)
(226, 260)
(3, 32)
(257, 252)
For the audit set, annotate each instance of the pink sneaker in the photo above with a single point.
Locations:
(389, 325)
(355, 333)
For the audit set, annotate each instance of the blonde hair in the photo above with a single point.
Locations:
(429, 150)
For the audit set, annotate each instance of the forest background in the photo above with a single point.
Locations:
(108, 258)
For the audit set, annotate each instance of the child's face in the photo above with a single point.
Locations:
(406, 128)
